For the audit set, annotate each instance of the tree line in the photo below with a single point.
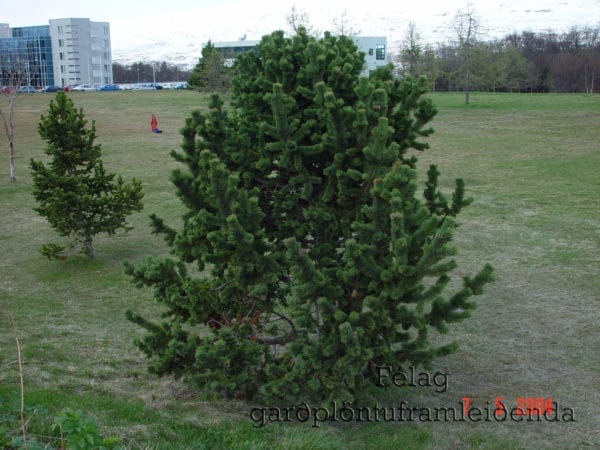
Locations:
(526, 62)
(143, 72)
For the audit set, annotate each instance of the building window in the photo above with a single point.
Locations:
(370, 52)
(380, 52)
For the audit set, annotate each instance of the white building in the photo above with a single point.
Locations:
(375, 50)
(5, 31)
(81, 52)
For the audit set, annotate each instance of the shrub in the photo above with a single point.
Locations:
(315, 258)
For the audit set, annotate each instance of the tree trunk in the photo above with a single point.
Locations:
(467, 86)
(11, 156)
(9, 127)
(90, 248)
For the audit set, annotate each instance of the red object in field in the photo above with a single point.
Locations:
(153, 123)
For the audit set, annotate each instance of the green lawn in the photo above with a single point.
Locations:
(531, 162)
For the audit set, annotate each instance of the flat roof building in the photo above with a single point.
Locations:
(81, 51)
(230, 49)
(65, 52)
(26, 56)
(233, 48)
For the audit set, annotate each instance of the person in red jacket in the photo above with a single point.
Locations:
(154, 124)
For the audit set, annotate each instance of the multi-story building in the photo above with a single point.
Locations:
(65, 52)
(26, 55)
(81, 51)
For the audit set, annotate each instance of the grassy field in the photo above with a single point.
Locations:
(531, 162)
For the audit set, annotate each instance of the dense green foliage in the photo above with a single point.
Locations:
(33, 428)
(75, 194)
(315, 260)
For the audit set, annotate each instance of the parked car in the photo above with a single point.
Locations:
(175, 85)
(108, 87)
(83, 88)
(6, 89)
(28, 89)
(52, 89)
(143, 87)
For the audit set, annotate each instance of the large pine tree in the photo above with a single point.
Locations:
(306, 256)
(74, 192)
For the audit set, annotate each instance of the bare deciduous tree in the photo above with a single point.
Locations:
(589, 74)
(13, 76)
(411, 52)
(466, 26)
(342, 25)
(297, 19)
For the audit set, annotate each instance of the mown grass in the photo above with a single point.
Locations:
(531, 163)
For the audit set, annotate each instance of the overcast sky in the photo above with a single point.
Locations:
(132, 21)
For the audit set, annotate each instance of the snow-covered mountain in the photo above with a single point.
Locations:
(177, 36)
(181, 49)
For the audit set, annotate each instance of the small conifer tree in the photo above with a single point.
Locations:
(74, 192)
(306, 257)
(211, 73)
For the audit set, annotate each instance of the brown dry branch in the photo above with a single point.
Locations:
(22, 386)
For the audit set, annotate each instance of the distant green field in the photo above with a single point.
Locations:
(531, 162)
